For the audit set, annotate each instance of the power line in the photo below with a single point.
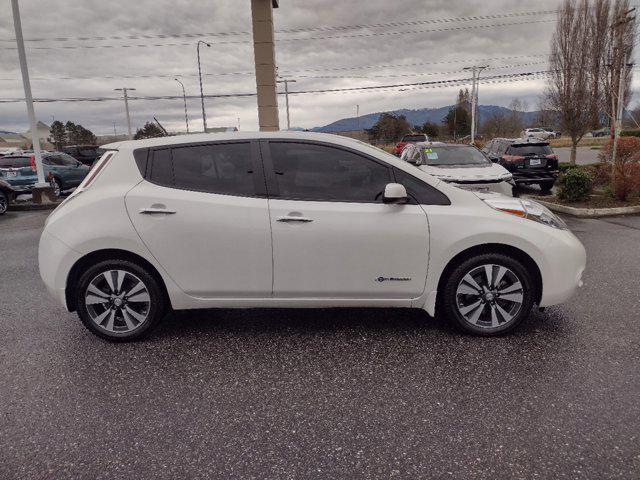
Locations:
(297, 92)
(291, 30)
(329, 37)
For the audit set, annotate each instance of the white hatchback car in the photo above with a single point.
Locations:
(294, 220)
(459, 164)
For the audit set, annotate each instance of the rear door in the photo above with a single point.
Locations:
(333, 237)
(203, 214)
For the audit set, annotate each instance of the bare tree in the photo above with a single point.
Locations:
(571, 80)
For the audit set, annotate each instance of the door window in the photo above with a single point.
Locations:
(317, 172)
(419, 191)
(224, 168)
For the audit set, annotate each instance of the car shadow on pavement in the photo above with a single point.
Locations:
(322, 321)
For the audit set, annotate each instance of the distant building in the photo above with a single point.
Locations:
(44, 132)
(9, 140)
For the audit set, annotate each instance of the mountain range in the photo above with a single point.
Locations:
(416, 117)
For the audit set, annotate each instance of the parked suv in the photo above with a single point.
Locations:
(87, 154)
(62, 171)
(409, 138)
(530, 161)
(293, 219)
(538, 133)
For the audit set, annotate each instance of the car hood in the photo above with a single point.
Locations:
(468, 173)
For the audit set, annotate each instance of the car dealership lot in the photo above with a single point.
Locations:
(324, 393)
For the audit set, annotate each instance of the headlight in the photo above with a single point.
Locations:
(527, 209)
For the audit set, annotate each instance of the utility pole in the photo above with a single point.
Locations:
(286, 82)
(204, 115)
(35, 139)
(474, 97)
(184, 96)
(126, 107)
(623, 53)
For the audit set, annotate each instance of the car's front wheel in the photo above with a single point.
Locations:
(119, 300)
(547, 185)
(488, 294)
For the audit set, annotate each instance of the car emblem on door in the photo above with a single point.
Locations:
(393, 279)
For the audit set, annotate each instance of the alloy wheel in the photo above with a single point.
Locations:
(489, 296)
(117, 301)
(4, 203)
(57, 190)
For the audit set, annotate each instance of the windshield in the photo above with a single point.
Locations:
(452, 156)
(529, 150)
(414, 138)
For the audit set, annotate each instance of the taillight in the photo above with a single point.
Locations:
(512, 158)
(552, 157)
(32, 162)
(93, 173)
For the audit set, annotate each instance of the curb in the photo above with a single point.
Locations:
(28, 206)
(590, 212)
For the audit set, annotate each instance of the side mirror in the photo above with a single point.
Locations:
(395, 193)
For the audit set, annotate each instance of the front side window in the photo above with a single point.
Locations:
(317, 172)
(421, 192)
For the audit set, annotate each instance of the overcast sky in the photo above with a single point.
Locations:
(442, 48)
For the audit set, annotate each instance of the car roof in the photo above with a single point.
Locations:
(213, 137)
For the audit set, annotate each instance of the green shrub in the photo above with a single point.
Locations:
(630, 133)
(575, 185)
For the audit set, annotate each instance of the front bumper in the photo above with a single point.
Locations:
(564, 263)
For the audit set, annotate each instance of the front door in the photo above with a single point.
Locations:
(200, 214)
(333, 237)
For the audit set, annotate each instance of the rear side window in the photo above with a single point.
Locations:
(162, 168)
(15, 162)
(525, 150)
(318, 172)
(414, 138)
(224, 168)
(421, 192)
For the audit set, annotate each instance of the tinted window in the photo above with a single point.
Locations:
(15, 162)
(420, 191)
(414, 138)
(162, 168)
(317, 172)
(222, 168)
(62, 160)
(527, 150)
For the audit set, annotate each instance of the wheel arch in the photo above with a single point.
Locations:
(107, 254)
(500, 248)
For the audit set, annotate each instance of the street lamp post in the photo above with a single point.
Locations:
(35, 138)
(184, 96)
(476, 70)
(126, 107)
(286, 82)
(204, 115)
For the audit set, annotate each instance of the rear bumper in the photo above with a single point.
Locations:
(529, 176)
(55, 259)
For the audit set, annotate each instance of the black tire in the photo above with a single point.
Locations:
(121, 332)
(452, 302)
(4, 202)
(547, 185)
(57, 186)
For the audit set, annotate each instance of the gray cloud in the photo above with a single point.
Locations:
(157, 17)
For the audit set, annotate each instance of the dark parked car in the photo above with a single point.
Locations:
(531, 161)
(7, 194)
(86, 154)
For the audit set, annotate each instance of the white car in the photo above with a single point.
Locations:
(292, 219)
(540, 133)
(460, 165)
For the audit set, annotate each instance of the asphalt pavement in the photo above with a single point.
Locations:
(358, 393)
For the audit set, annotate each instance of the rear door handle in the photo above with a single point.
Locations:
(156, 210)
(294, 219)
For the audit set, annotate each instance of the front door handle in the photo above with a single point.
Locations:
(156, 211)
(294, 219)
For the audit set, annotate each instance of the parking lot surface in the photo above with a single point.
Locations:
(324, 393)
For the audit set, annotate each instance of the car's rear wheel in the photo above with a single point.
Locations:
(119, 300)
(488, 294)
(4, 202)
(57, 186)
(546, 186)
